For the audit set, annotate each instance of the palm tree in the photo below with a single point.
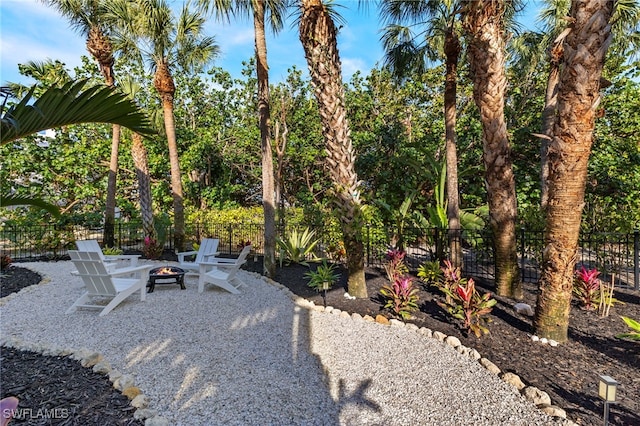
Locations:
(141, 163)
(585, 47)
(438, 26)
(483, 22)
(258, 9)
(626, 40)
(87, 17)
(148, 28)
(62, 106)
(318, 36)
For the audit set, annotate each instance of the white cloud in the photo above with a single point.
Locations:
(351, 65)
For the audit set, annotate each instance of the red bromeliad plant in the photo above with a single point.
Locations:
(152, 249)
(466, 304)
(587, 288)
(401, 295)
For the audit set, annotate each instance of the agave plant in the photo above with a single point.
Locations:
(298, 246)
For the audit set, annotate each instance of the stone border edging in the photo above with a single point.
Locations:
(539, 398)
(124, 383)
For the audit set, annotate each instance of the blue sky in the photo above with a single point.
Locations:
(30, 31)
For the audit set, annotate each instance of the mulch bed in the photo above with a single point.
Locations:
(569, 372)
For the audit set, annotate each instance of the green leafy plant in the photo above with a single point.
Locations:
(323, 278)
(633, 325)
(297, 247)
(430, 272)
(401, 297)
(468, 305)
(109, 251)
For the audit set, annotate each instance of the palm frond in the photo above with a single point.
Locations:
(70, 104)
(7, 200)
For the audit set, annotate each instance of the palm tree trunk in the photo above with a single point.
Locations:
(548, 118)
(318, 37)
(264, 117)
(452, 52)
(163, 82)
(483, 23)
(140, 160)
(578, 98)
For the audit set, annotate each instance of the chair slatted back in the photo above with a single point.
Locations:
(90, 246)
(208, 246)
(94, 274)
(239, 261)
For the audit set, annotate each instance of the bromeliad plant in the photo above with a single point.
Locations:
(430, 272)
(586, 288)
(466, 304)
(152, 249)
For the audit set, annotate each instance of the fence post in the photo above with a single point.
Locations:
(636, 259)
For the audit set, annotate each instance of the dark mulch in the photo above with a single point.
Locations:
(55, 390)
(569, 372)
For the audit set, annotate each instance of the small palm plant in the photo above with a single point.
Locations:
(322, 279)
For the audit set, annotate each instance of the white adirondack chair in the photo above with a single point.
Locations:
(100, 283)
(222, 272)
(206, 252)
(109, 259)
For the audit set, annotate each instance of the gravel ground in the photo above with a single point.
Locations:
(259, 359)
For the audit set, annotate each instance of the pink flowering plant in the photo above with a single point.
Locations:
(401, 293)
(586, 288)
(401, 297)
(152, 249)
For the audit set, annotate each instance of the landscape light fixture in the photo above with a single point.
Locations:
(607, 391)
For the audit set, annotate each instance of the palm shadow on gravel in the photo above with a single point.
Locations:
(569, 372)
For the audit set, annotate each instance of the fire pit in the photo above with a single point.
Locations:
(166, 275)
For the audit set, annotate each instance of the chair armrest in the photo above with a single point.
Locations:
(130, 270)
(210, 255)
(183, 254)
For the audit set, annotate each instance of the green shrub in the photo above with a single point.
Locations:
(297, 247)
(635, 327)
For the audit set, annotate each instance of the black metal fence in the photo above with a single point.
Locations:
(616, 255)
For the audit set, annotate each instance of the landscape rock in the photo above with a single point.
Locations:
(381, 319)
(524, 309)
(453, 341)
(156, 421)
(490, 366)
(514, 380)
(439, 336)
(553, 410)
(536, 396)
(144, 413)
(140, 401)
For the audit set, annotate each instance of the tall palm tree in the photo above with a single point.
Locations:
(141, 162)
(148, 29)
(483, 22)
(318, 35)
(258, 10)
(87, 17)
(584, 50)
(438, 34)
(553, 16)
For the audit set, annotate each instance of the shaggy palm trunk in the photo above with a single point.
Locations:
(548, 118)
(318, 37)
(484, 24)
(99, 46)
(264, 117)
(578, 97)
(452, 52)
(140, 161)
(163, 83)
